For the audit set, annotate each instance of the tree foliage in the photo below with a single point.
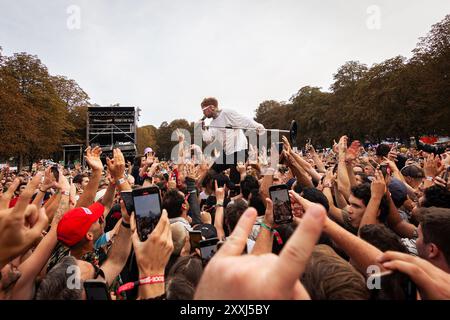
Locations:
(395, 98)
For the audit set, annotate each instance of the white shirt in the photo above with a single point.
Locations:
(231, 140)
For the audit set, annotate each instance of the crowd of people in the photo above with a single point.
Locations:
(356, 209)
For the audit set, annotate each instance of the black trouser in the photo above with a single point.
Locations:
(230, 161)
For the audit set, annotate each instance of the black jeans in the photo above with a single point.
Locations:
(230, 161)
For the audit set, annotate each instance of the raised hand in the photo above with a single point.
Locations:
(299, 204)
(431, 165)
(335, 147)
(241, 168)
(116, 166)
(353, 151)
(93, 158)
(342, 145)
(392, 155)
(6, 197)
(153, 254)
(265, 276)
(21, 225)
(378, 185)
(286, 144)
(432, 282)
(220, 193)
(49, 180)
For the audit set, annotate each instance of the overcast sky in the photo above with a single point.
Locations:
(165, 56)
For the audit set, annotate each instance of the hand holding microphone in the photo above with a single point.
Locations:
(202, 122)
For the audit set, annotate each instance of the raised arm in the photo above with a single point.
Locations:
(264, 241)
(120, 249)
(31, 267)
(194, 205)
(396, 223)
(44, 187)
(343, 179)
(218, 219)
(93, 160)
(305, 165)
(15, 237)
(317, 160)
(377, 191)
(299, 173)
(116, 167)
(336, 213)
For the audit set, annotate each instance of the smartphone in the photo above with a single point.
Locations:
(195, 237)
(127, 198)
(208, 248)
(55, 172)
(96, 290)
(147, 206)
(282, 211)
(393, 285)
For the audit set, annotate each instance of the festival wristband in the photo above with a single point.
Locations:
(143, 281)
(274, 231)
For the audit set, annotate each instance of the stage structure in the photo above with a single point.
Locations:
(72, 153)
(113, 127)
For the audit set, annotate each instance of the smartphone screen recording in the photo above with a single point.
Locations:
(282, 212)
(147, 205)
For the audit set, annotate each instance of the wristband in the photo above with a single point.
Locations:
(121, 181)
(429, 178)
(42, 191)
(65, 193)
(274, 231)
(126, 225)
(219, 204)
(143, 281)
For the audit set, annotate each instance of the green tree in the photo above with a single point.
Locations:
(46, 125)
(76, 101)
(146, 137)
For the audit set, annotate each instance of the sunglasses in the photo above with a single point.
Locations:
(207, 107)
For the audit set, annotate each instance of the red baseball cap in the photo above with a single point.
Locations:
(76, 223)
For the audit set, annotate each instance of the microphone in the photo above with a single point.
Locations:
(202, 121)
